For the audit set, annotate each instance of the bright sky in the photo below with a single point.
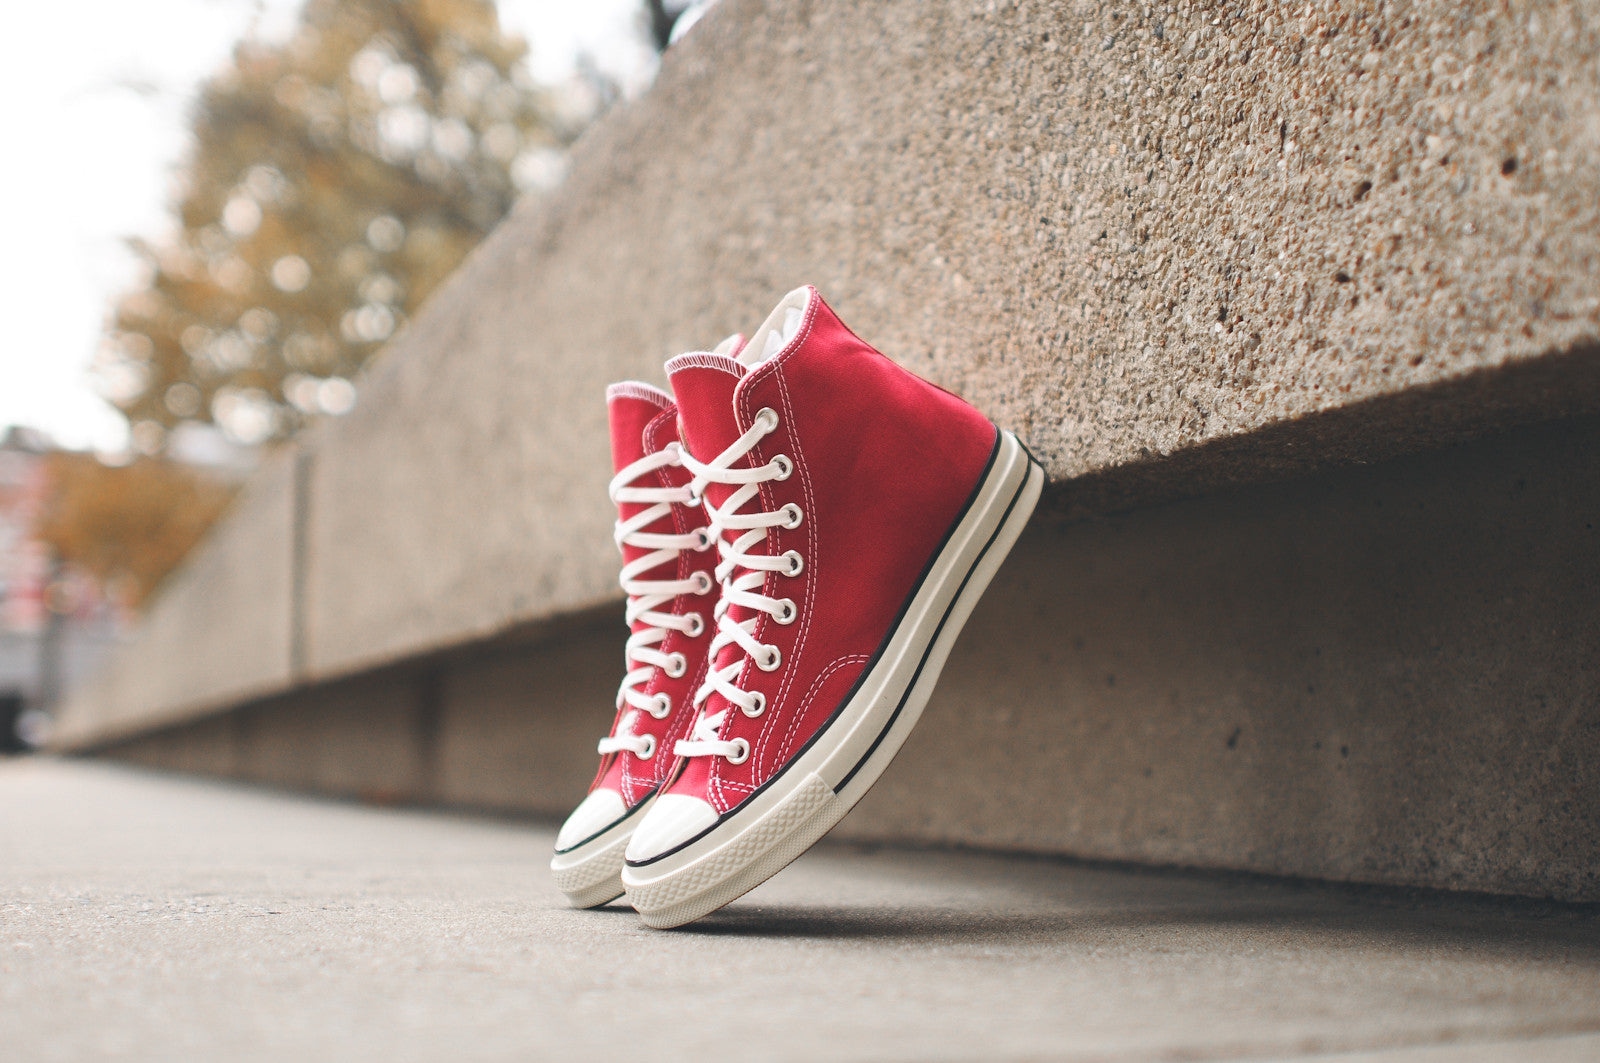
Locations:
(93, 96)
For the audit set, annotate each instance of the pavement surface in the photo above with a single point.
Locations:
(145, 916)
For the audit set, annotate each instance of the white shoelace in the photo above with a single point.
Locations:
(741, 574)
(646, 597)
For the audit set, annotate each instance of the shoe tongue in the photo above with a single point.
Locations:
(777, 333)
(703, 385)
(632, 407)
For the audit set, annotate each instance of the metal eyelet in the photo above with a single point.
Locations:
(703, 582)
(796, 563)
(704, 536)
(758, 708)
(677, 664)
(663, 707)
(770, 416)
(785, 467)
(696, 625)
(787, 613)
(649, 747)
(792, 516)
(743, 754)
(769, 660)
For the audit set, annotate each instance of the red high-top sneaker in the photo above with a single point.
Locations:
(860, 513)
(667, 576)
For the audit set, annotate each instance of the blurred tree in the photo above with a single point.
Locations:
(335, 180)
(126, 526)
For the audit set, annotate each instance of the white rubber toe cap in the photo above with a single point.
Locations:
(594, 814)
(671, 821)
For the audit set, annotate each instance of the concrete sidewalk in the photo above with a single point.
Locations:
(148, 917)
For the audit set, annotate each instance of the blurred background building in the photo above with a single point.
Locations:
(56, 621)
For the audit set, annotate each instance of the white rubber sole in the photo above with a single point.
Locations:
(590, 874)
(773, 828)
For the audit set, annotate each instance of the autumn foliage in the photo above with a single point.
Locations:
(335, 179)
(126, 526)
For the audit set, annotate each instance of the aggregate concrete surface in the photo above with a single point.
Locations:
(149, 917)
(1175, 246)
(1139, 235)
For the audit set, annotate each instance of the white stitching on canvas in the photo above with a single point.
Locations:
(636, 389)
(805, 702)
(704, 361)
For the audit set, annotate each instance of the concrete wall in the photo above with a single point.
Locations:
(1387, 674)
(1182, 248)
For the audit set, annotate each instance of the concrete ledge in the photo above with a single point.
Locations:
(1178, 249)
(1559, 385)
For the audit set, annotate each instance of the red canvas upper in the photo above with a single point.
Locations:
(884, 465)
(644, 420)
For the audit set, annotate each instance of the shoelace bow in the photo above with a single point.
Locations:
(642, 655)
(742, 573)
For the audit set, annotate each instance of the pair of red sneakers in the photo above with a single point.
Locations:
(805, 527)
